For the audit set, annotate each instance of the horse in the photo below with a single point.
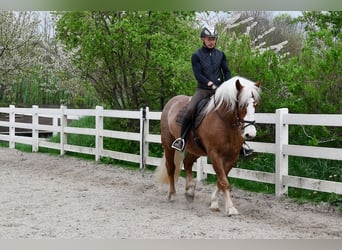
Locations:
(228, 121)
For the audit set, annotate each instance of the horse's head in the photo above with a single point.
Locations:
(239, 96)
(247, 98)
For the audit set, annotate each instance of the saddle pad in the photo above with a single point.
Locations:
(198, 115)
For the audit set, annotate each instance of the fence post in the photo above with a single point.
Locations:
(55, 125)
(281, 160)
(144, 130)
(64, 123)
(99, 133)
(200, 174)
(35, 131)
(12, 127)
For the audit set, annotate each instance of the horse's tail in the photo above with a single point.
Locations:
(161, 175)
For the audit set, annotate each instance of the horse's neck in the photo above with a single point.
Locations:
(224, 133)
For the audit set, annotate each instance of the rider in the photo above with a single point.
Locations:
(210, 68)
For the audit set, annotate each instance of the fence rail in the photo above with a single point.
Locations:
(281, 148)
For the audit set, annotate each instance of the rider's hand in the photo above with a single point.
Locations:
(212, 85)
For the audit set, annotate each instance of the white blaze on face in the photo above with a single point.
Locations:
(250, 131)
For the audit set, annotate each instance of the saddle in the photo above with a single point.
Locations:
(197, 119)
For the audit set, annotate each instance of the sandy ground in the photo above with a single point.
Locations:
(45, 197)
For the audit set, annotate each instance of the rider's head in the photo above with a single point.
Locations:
(208, 37)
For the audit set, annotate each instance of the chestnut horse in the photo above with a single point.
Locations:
(228, 120)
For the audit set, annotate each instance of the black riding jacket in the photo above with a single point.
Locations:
(209, 65)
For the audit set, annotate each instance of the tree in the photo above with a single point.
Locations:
(132, 58)
(319, 66)
(34, 67)
(319, 20)
(287, 29)
(18, 43)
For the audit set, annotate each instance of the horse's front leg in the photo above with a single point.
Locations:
(190, 184)
(223, 185)
(214, 204)
(230, 209)
(229, 206)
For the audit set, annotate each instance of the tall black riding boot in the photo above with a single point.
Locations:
(179, 143)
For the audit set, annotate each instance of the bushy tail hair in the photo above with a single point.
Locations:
(161, 175)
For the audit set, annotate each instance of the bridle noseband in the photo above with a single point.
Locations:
(240, 122)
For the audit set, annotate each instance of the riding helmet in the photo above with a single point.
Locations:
(208, 32)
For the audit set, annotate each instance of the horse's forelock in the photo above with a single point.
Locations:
(249, 90)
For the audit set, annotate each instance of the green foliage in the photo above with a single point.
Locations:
(317, 20)
(133, 58)
(308, 82)
(316, 168)
(318, 68)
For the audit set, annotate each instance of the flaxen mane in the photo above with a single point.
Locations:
(227, 94)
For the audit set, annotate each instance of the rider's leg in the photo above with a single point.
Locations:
(179, 143)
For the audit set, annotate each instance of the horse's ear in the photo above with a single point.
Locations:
(238, 85)
(258, 83)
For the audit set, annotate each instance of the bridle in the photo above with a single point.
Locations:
(240, 123)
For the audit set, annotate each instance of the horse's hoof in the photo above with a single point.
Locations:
(214, 207)
(171, 197)
(189, 197)
(232, 211)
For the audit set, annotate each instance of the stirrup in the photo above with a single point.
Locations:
(246, 150)
(178, 144)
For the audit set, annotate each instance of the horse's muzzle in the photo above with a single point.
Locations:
(249, 130)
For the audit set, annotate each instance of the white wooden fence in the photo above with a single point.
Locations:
(281, 148)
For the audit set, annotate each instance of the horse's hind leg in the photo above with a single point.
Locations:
(190, 184)
(170, 166)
